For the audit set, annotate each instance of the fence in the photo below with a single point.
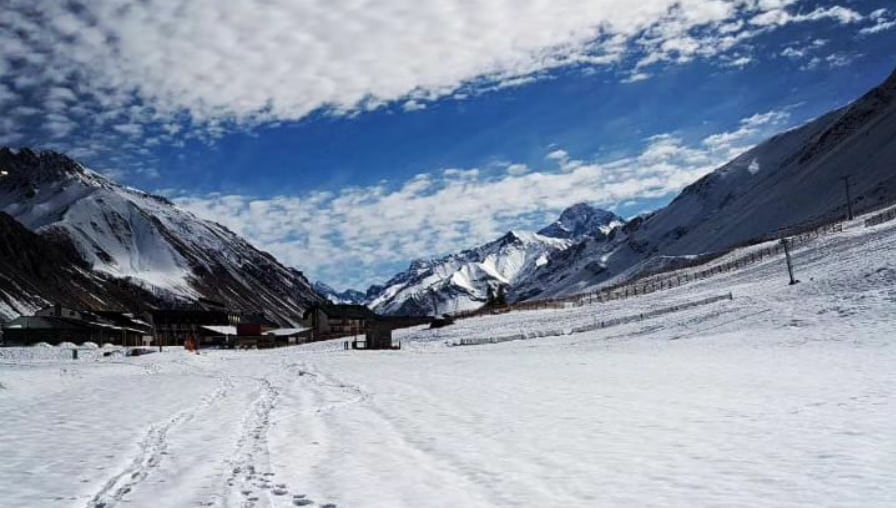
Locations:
(597, 325)
(661, 281)
(881, 218)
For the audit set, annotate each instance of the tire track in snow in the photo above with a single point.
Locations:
(151, 450)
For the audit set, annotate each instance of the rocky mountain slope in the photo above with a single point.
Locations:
(794, 180)
(581, 221)
(144, 240)
(36, 270)
(349, 296)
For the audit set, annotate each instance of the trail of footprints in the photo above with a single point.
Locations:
(152, 448)
(252, 449)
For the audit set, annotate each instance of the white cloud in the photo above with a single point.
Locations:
(740, 62)
(781, 17)
(557, 155)
(882, 20)
(108, 72)
(636, 76)
(231, 62)
(794, 53)
(677, 42)
(831, 61)
(731, 143)
(517, 169)
(811, 54)
(7, 95)
(347, 238)
(130, 129)
(413, 105)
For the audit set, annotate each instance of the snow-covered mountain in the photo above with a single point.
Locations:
(36, 270)
(349, 296)
(580, 221)
(465, 280)
(145, 240)
(791, 181)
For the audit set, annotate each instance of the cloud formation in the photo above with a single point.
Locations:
(155, 71)
(349, 238)
(882, 20)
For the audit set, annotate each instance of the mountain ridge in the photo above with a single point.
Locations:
(130, 235)
(792, 180)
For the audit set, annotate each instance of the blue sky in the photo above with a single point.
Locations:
(348, 140)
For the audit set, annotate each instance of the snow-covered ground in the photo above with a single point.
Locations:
(781, 397)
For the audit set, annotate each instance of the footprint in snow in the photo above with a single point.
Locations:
(301, 500)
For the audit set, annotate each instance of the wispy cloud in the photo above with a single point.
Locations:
(882, 20)
(348, 238)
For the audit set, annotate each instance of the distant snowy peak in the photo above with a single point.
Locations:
(581, 220)
(144, 239)
(465, 280)
(349, 296)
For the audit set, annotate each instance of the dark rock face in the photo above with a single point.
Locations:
(37, 270)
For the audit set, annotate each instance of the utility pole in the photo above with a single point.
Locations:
(435, 302)
(789, 262)
(849, 215)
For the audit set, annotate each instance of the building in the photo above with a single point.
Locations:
(250, 336)
(57, 324)
(379, 336)
(290, 336)
(330, 321)
(174, 326)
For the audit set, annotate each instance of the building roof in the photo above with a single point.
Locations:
(46, 323)
(222, 330)
(124, 320)
(61, 323)
(286, 332)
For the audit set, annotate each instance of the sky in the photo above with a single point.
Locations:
(350, 138)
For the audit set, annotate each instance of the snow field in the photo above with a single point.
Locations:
(779, 398)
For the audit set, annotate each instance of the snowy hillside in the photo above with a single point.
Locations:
(464, 281)
(781, 397)
(145, 239)
(792, 180)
